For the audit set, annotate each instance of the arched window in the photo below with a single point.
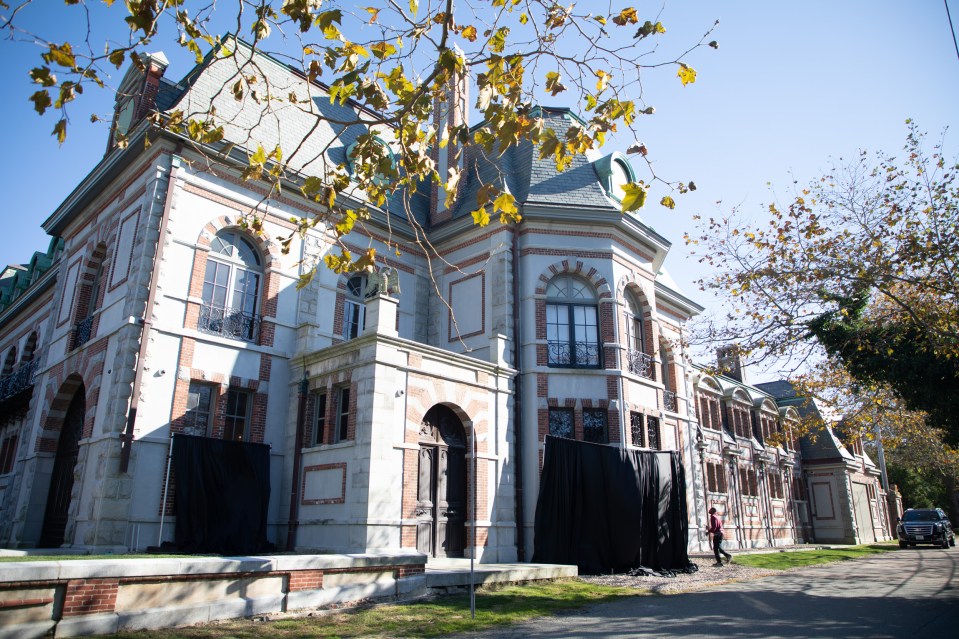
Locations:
(572, 323)
(231, 288)
(88, 298)
(10, 360)
(640, 362)
(354, 307)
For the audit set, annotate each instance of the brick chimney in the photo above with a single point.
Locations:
(451, 109)
(137, 94)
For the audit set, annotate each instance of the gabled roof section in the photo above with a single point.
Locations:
(311, 146)
(535, 181)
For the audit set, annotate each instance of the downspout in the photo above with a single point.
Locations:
(518, 404)
(126, 438)
(294, 519)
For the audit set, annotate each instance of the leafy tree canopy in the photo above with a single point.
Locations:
(392, 63)
(861, 266)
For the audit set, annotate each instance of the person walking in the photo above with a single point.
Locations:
(716, 530)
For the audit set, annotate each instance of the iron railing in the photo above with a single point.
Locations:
(82, 332)
(573, 354)
(229, 322)
(640, 363)
(19, 380)
(669, 401)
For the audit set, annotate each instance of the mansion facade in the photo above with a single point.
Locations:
(410, 412)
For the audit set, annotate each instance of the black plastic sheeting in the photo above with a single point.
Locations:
(609, 510)
(222, 495)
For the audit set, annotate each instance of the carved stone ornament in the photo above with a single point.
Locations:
(385, 281)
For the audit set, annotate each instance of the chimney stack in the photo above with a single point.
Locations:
(730, 362)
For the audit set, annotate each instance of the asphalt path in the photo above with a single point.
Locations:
(906, 593)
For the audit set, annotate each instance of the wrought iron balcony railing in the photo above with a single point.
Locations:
(228, 322)
(19, 380)
(640, 363)
(82, 332)
(669, 401)
(573, 354)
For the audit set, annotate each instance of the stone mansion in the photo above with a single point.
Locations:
(414, 417)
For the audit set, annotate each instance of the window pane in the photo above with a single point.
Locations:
(319, 426)
(594, 426)
(561, 422)
(199, 408)
(343, 419)
(237, 415)
(354, 319)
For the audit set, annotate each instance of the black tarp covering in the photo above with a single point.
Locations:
(606, 509)
(222, 495)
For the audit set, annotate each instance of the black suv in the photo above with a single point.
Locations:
(925, 526)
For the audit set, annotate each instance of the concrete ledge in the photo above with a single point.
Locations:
(28, 630)
(454, 573)
(106, 624)
(127, 568)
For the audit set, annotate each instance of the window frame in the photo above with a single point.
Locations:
(231, 416)
(341, 426)
(569, 304)
(320, 405)
(354, 307)
(225, 318)
(558, 410)
(189, 416)
(596, 413)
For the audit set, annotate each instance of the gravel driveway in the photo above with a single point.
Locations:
(707, 575)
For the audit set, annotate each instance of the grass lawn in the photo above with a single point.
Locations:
(435, 618)
(797, 559)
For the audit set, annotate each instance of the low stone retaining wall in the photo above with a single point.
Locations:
(101, 596)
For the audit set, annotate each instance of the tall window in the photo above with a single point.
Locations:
(749, 482)
(342, 432)
(595, 428)
(237, 415)
(10, 360)
(715, 477)
(319, 422)
(638, 358)
(354, 307)
(572, 324)
(653, 434)
(561, 422)
(231, 288)
(637, 429)
(199, 408)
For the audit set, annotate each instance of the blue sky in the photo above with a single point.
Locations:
(792, 85)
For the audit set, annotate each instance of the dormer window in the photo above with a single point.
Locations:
(614, 172)
(123, 120)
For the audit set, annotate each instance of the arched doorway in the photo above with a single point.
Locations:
(64, 464)
(441, 485)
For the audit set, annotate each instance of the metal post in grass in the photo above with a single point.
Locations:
(473, 518)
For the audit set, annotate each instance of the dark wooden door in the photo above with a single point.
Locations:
(61, 482)
(441, 489)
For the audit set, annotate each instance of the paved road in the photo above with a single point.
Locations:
(912, 593)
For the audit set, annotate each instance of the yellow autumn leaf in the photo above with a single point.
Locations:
(480, 217)
(687, 74)
(668, 202)
(634, 197)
